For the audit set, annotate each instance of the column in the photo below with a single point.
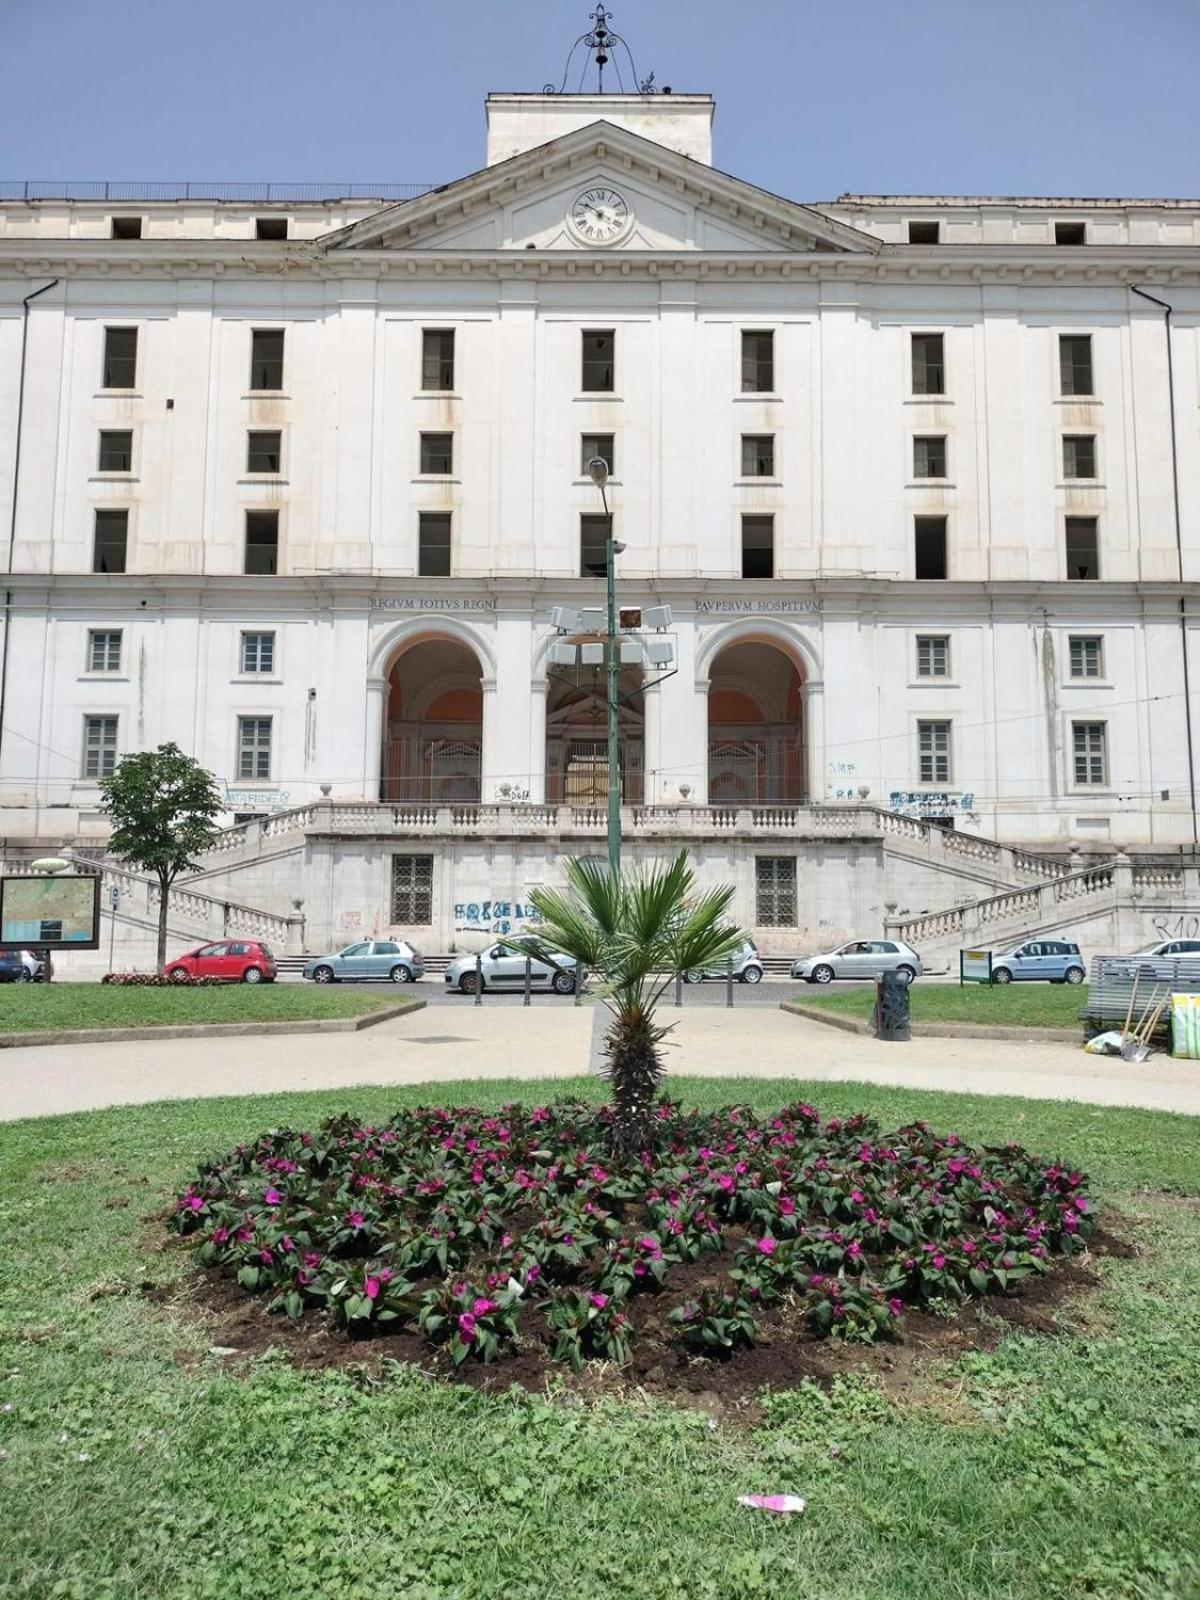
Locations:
(373, 753)
(677, 729)
(538, 692)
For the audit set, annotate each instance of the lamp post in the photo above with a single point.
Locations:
(598, 472)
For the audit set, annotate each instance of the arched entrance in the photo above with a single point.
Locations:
(577, 737)
(755, 727)
(433, 725)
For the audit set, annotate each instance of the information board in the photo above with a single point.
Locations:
(974, 966)
(50, 913)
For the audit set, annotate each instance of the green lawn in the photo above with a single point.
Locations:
(1049, 1469)
(1015, 1005)
(30, 1007)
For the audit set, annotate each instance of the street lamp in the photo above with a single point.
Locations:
(598, 472)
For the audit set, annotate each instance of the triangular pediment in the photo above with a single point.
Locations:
(601, 188)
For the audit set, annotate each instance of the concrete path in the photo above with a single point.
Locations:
(506, 1041)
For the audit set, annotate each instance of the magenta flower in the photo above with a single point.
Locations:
(598, 1300)
(355, 1219)
(466, 1326)
(272, 1197)
(371, 1288)
(939, 1261)
(854, 1250)
(895, 1306)
(787, 1206)
(220, 1235)
(483, 1305)
(192, 1202)
(766, 1245)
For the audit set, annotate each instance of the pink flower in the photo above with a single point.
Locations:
(895, 1306)
(265, 1257)
(857, 1196)
(939, 1261)
(192, 1202)
(766, 1245)
(854, 1250)
(371, 1288)
(787, 1206)
(466, 1326)
(355, 1219)
(598, 1300)
(483, 1305)
(272, 1197)
(220, 1235)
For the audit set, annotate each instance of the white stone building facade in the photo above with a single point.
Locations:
(297, 485)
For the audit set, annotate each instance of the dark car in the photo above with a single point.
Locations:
(12, 967)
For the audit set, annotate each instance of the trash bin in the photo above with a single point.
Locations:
(891, 1007)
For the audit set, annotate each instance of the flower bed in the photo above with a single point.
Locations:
(158, 980)
(486, 1235)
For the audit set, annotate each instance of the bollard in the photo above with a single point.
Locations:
(528, 978)
(580, 980)
(478, 978)
(729, 981)
(891, 1008)
(679, 988)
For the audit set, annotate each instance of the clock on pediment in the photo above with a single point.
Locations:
(599, 216)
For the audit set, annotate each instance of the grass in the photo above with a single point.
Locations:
(38, 1008)
(1049, 1469)
(1013, 1005)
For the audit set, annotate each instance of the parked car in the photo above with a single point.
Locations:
(747, 967)
(394, 959)
(235, 960)
(501, 968)
(1040, 960)
(22, 966)
(1170, 947)
(861, 958)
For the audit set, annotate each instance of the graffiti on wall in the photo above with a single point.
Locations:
(493, 916)
(1184, 926)
(913, 803)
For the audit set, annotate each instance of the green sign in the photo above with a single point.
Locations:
(974, 966)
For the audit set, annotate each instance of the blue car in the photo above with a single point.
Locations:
(1040, 960)
(392, 959)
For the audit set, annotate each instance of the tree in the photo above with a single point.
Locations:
(163, 807)
(637, 930)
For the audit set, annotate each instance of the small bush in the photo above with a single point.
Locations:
(485, 1231)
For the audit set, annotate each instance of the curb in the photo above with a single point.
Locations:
(937, 1030)
(209, 1030)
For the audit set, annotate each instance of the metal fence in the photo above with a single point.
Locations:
(70, 189)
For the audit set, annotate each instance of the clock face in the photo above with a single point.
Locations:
(599, 215)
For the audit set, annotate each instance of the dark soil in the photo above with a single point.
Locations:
(240, 1327)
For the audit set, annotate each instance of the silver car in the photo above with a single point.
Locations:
(861, 958)
(747, 966)
(501, 968)
(393, 959)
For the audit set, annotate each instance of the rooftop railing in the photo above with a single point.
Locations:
(264, 193)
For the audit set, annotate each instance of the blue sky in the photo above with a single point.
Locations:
(1077, 97)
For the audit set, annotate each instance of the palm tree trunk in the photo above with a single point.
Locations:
(634, 1071)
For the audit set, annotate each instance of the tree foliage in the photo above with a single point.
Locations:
(637, 930)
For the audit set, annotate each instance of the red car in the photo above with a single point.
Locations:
(235, 960)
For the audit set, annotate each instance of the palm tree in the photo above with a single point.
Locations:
(637, 930)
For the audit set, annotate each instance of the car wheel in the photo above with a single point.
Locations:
(323, 975)
(693, 977)
(563, 983)
(1074, 974)
(178, 974)
(25, 976)
(907, 973)
(466, 984)
(752, 975)
(252, 975)
(822, 974)
(400, 974)
(1002, 975)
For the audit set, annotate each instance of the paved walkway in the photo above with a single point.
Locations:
(452, 1042)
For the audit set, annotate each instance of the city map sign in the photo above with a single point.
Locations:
(50, 913)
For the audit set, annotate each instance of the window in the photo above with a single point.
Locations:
(775, 891)
(758, 455)
(437, 358)
(104, 650)
(116, 450)
(1075, 363)
(1079, 455)
(1088, 742)
(933, 751)
(758, 362)
(262, 542)
(758, 547)
(592, 445)
(264, 450)
(254, 747)
(270, 227)
(929, 456)
(412, 890)
(111, 541)
(933, 656)
(1087, 655)
(437, 453)
(929, 539)
(266, 358)
(1070, 233)
(924, 232)
(120, 358)
(99, 747)
(594, 534)
(433, 544)
(928, 363)
(127, 227)
(599, 359)
(258, 652)
(1083, 547)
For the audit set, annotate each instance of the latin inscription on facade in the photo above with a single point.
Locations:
(408, 602)
(751, 607)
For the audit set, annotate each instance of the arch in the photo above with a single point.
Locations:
(763, 630)
(394, 641)
(432, 736)
(755, 719)
(577, 738)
